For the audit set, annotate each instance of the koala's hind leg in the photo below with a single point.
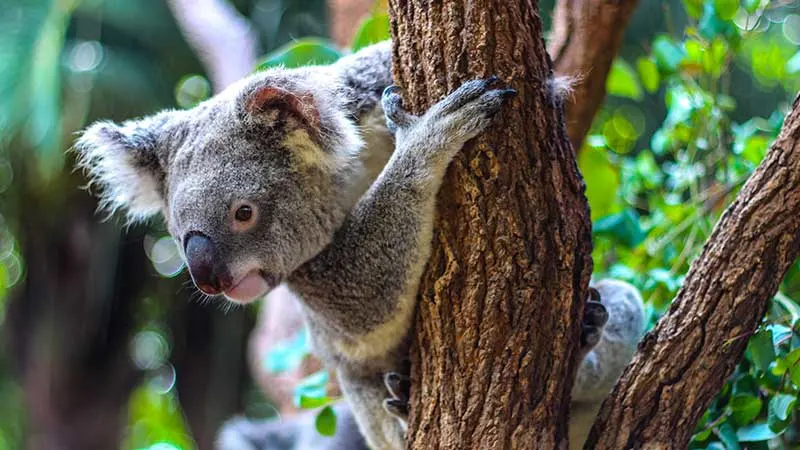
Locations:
(604, 363)
(365, 393)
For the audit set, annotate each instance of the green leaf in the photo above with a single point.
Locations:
(745, 408)
(728, 436)
(755, 148)
(667, 54)
(302, 52)
(761, 349)
(622, 81)
(751, 6)
(780, 333)
(307, 402)
(648, 72)
(793, 64)
(286, 355)
(781, 406)
(786, 363)
(602, 180)
(326, 422)
(312, 386)
(694, 8)
(755, 433)
(726, 9)
(372, 30)
(624, 226)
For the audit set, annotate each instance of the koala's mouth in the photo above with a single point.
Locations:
(252, 286)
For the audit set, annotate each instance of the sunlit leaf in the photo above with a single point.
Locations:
(601, 179)
(793, 64)
(372, 30)
(667, 54)
(302, 52)
(622, 81)
(313, 386)
(784, 364)
(648, 72)
(781, 405)
(726, 9)
(751, 6)
(755, 433)
(694, 8)
(287, 355)
(307, 402)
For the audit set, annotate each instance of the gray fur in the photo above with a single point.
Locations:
(344, 208)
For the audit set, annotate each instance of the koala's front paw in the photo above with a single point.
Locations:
(457, 118)
(399, 387)
(595, 317)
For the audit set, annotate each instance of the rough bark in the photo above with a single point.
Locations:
(584, 41)
(498, 322)
(685, 360)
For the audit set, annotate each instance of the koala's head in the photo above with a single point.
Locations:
(252, 183)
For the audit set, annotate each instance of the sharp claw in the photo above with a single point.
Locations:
(594, 295)
(508, 93)
(491, 79)
(390, 90)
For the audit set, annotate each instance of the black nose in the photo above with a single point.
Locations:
(207, 271)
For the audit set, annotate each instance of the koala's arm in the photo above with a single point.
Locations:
(363, 284)
(602, 366)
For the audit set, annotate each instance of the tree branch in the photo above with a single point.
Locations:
(221, 37)
(584, 41)
(685, 360)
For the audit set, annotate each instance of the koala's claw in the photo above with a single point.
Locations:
(466, 93)
(396, 115)
(595, 317)
(399, 387)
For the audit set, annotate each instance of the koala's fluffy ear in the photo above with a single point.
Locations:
(264, 99)
(127, 161)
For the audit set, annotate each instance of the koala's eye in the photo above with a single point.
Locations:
(243, 213)
(243, 216)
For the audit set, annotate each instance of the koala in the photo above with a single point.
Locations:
(613, 326)
(316, 178)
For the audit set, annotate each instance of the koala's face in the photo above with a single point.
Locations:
(252, 183)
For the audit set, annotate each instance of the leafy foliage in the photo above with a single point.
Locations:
(655, 195)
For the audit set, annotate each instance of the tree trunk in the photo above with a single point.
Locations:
(685, 360)
(499, 318)
(584, 42)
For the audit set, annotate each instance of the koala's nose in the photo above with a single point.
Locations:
(205, 267)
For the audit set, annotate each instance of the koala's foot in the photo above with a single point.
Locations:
(595, 317)
(399, 387)
(460, 116)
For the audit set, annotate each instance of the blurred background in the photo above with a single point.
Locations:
(105, 343)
